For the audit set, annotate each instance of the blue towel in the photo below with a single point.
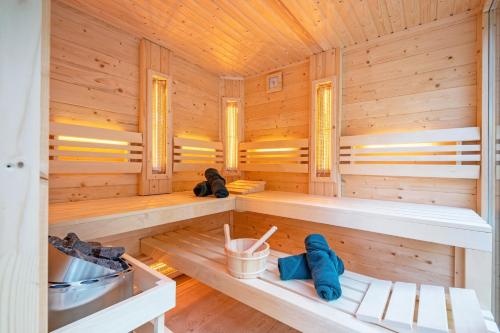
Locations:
(296, 267)
(324, 271)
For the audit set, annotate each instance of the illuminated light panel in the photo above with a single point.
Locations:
(232, 135)
(159, 125)
(91, 140)
(158, 266)
(271, 150)
(70, 139)
(198, 148)
(398, 145)
(323, 135)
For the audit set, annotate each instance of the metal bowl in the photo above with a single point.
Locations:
(79, 288)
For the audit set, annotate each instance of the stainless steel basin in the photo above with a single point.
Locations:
(86, 291)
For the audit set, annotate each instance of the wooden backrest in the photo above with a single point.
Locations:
(83, 149)
(197, 155)
(275, 156)
(446, 153)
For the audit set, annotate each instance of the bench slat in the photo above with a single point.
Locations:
(211, 250)
(300, 312)
(373, 304)
(432, 315)
(401, 306)
(467, 314)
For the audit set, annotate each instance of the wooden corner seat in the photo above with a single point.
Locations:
(367, 304)
(452, 226)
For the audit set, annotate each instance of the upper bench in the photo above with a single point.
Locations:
(444, 225)
(93, 219)
(439, 224)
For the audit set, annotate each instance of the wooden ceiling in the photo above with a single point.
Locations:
(246, 37)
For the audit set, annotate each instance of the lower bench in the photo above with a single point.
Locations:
(367, 304)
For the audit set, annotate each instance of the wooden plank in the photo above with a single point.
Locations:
(94, 132)
(23, 175)
(197, 143)
(400, 310)
(413, 158)
(294, 143)
(300, 168)
(373, 305)
(400, 170)
(432, 315)
(69, 167)
(181, 167)
(421, 149)
(94, 154)
(444, 135)
(94, 145)
(467, 315)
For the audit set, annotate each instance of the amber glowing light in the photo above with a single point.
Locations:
(323, 133)
(159, 124)
(231, 135)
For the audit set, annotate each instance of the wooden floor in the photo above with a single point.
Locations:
(203, 309)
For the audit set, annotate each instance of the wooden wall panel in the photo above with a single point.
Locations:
(95, 82)
(377, 255)
(195, 102)
(131, 240)
(277, 116)
(412, 82)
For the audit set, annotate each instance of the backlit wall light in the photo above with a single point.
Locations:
(323, 143)
(159, 113)
(231, 110)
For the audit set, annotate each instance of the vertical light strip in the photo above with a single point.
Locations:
(323, 135)
(159, 125)
(231, 135)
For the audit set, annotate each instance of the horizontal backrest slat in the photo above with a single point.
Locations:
(294, 143)
(87, 150)
(441, 135)
(184, 142)
(444, 153)
(197, 155)
(58, 129)
(275, 156)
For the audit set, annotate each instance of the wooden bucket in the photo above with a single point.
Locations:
(242, 265)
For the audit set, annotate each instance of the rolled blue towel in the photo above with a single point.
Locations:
(324, 271)
(294, 267)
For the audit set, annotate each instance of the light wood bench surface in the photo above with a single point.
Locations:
(367, 304)
(439, 224)
(104, 217)
(444, 225)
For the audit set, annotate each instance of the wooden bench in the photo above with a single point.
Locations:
(367, 304)
(94, 219)
(438, 224)
(444, 225)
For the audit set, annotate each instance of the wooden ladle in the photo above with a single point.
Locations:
(227, 235)
(261, 241)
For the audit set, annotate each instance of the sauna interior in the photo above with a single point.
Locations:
(374, 123)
